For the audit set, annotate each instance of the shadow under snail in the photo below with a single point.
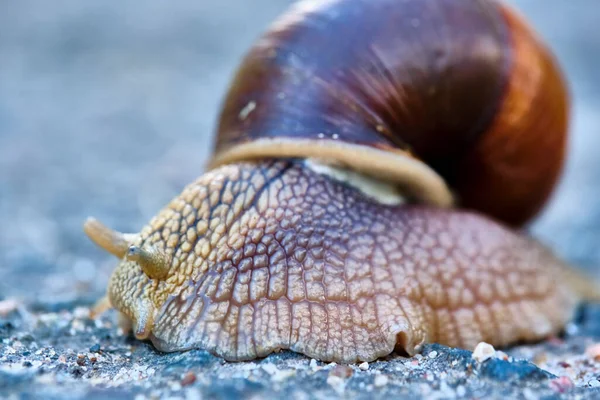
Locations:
(373, 164)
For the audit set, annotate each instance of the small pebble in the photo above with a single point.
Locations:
(343, 371)
(564, 364)
(483, 352)
(562, 384)
(81, 312)
(381, 380)
(270, 368)
(80, 359)
(433, 354)
(95, 348)
(593, 351)
(188, 379)
(313, 364)
(364, 366)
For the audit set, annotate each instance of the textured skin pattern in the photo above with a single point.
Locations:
(273, 256)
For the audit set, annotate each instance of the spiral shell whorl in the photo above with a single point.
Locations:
(449, 83)
(520, 158)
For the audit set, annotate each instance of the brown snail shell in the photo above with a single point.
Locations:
(466, 87)
(270, 250)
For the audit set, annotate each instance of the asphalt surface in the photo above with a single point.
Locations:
(108, 109)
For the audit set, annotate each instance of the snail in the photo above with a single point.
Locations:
(374, 164)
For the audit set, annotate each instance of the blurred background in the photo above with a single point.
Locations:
(108, 109)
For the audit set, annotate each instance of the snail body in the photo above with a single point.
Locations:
(326, 223)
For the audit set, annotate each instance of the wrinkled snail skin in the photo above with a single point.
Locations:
(326, 223)
(275, 256)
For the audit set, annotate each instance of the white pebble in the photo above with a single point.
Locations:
(483, 352)
(270, 368)
(381, 380)
(81, 313)
(433, 354)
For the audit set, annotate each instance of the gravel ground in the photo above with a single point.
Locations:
(107, 109)
(58, 352)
